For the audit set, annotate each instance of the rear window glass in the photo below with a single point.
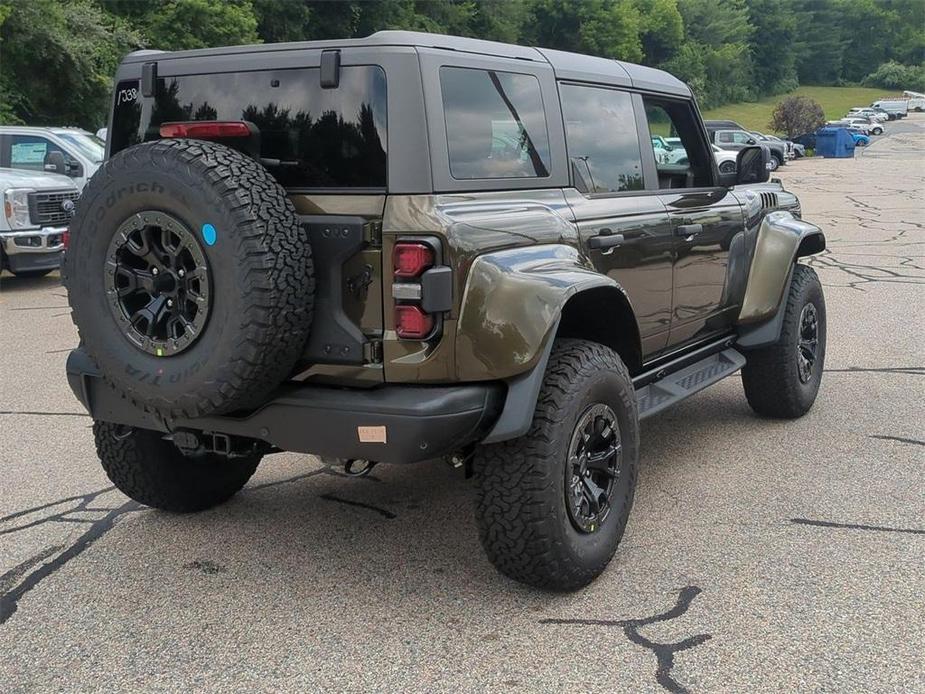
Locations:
(309, 137)
(495, 124)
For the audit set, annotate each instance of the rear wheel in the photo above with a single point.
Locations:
(151, 470)
(782, 380)
(552, 506)
(775, 162)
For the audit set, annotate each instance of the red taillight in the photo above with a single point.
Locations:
(206, 130)
(411, 323)
(411, 259)
(66, 238)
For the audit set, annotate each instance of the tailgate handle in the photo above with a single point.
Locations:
(689, 230)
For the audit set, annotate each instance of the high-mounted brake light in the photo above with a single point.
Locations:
(411, 259)
(206, 130)
(411, 323)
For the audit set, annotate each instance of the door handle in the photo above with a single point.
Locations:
(606, 239)
(689, 230)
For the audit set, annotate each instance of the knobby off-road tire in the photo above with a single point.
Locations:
(152, 471)
(774, 385)
(228, 215)
(522, 486)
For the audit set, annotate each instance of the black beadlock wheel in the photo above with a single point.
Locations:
(783, 379)
(552, 505)
(189, 278)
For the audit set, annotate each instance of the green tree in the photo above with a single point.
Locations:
(183, 24)
(661, 29)
(715, 58)
(772, 45)
(58, 61)
(608, 28)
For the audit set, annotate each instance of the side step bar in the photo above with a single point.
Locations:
(681, 384)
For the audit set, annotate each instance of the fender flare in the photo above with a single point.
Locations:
(511, 304)
(511, 336)
(782, 238)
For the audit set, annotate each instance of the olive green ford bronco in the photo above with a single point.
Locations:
(411, 247)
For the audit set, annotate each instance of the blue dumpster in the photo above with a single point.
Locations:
(834, 142)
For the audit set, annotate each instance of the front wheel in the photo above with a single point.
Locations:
(775, 162)
(151, 470)
(782, 380)
(552, 506)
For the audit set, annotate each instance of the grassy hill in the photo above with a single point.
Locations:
(835, 101)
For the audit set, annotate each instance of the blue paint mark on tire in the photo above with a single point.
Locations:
(209, 235)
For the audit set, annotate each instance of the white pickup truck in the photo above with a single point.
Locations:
(37, 208)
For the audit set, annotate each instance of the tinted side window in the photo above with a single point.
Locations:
(495, 124)
(602, 141)
(309, 137)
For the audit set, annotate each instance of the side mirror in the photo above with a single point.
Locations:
(56, 163)
(752, 165)
(751, 141)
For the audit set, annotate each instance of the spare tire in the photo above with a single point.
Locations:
(189, 278)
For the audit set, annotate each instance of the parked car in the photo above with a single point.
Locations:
(915, 101)
(799, 150)
(735, 140)
(36, 149)
(37, 209)
(873, 126)
(871, 113)
(781, 147)
(725, 160)
(517, 286)
(668, 153)
(897, 107)
(853, 125)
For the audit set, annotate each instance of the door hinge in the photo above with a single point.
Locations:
(372, 233)
(372, 352)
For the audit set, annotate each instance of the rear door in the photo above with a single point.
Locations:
(706, 226)
(626, 232)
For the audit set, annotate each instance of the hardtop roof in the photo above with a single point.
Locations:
(568, 66)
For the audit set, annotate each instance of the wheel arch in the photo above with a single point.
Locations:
(604, 315)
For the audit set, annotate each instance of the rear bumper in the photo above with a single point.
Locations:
(391, 424)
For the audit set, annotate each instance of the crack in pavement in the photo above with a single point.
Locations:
(855, 526)
(349, 502)
(902, 370)
(18, 581)
(900, 439)
(664, 652)
(22, 578)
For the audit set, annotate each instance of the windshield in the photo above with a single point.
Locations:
(88, 145)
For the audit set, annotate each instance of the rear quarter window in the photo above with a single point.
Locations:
(309, 137)
(495, 124)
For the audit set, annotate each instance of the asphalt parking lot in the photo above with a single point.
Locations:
(760, 556)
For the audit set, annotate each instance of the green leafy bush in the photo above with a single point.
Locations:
(893, 75)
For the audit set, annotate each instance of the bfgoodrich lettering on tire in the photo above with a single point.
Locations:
(553, 505)
(189, 278)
